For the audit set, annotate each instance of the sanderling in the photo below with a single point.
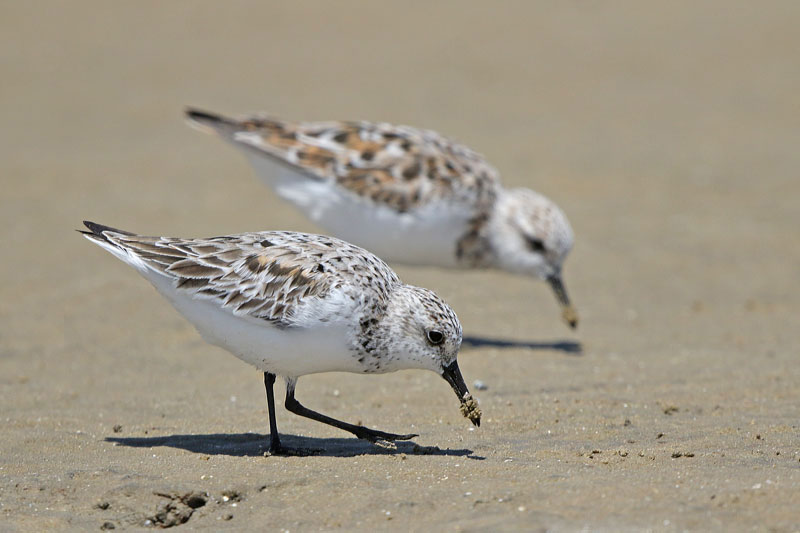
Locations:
(408, 195)
(293, 304)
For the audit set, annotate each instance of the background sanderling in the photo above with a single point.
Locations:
(293, 304)
(408, 195)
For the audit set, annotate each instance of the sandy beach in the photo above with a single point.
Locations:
(669, 135)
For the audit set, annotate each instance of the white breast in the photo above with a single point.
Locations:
(426, 236)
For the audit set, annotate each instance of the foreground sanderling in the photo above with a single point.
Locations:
(408, 195)
(294, 304)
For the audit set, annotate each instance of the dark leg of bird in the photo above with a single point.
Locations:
(361, 432)
(274, 439)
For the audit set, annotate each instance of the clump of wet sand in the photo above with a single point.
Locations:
(469, 408)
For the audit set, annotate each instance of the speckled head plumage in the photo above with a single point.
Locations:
(530, 235)
(416, 330)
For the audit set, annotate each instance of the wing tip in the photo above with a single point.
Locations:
(193, 113)
(208, 121)
(97, 233)
(98, 230)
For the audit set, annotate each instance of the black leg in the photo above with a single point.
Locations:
(359, 431)
(274, 439)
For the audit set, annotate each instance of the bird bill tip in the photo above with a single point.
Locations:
(570, 316)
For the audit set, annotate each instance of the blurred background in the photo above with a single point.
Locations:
(668, 133)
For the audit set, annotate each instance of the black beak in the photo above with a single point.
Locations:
(568, 313)
(452, 374)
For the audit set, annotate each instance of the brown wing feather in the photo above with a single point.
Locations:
(397, 166)
(244, 275)
(267, 275)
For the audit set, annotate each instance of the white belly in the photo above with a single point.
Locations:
(427, 236)
(290, 352)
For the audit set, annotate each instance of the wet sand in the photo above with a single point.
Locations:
(668, 134)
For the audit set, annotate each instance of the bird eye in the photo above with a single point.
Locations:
(435, 337)
(537, 245)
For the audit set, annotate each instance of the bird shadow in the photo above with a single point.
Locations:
(564, 346)
(256, 445)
